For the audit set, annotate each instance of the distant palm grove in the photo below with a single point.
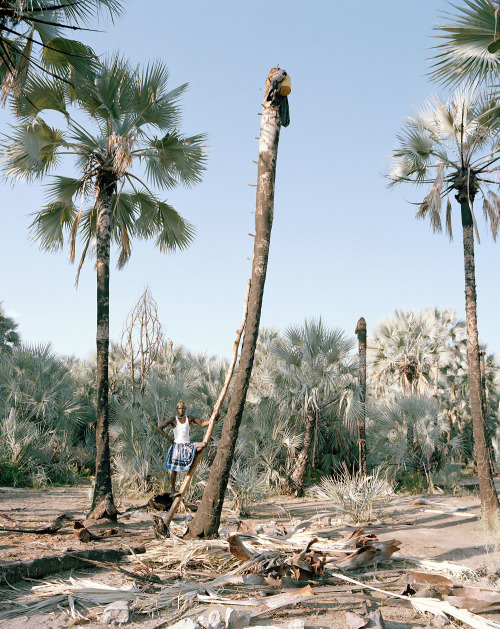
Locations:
(418, 417)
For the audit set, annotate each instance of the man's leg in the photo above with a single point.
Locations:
(173, 478)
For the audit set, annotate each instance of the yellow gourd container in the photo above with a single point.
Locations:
(286, 86)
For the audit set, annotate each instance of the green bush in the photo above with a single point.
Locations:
(411, 483)
(11, 475)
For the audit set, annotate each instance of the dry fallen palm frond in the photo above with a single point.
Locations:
(181, 554)
(84, 591)
(187, 593)
(444, 609)
(455, 570)
(22, 606)
(180, 595)
(259, 541)
(87, 590)
(432, 605)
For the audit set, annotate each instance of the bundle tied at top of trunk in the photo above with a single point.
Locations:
(275, 113)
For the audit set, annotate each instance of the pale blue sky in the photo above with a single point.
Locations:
(343, 245)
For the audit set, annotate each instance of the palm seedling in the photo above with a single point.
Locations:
(354, 493)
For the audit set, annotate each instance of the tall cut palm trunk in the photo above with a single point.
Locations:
(489, 498)
(361, 332)
(206, 522)
(103, 506)
(298, 475)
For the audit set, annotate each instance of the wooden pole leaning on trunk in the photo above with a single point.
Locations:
(187, 479)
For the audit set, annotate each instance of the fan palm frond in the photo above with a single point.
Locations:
(469, 45)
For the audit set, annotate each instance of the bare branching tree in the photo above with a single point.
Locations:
(142, 339)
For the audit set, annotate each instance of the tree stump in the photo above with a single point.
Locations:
(160, 529)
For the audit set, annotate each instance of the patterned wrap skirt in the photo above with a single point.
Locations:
(180, 457)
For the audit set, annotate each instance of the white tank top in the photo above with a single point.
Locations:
(181, 431)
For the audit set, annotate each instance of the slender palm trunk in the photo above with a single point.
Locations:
(436, 378)
(298, 475)
(103, 506)
(361, 332)
(489, 498)
(206, 522)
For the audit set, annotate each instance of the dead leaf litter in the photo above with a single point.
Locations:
(266, 569)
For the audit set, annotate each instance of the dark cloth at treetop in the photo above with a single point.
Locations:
(272, 95)
(180, 457)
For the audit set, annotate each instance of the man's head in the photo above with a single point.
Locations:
(181, 408)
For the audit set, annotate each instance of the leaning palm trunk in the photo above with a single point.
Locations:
(489, 498)
(215, 413)
(298, 476)
(206, 522)
(361, 332)
(102, 502)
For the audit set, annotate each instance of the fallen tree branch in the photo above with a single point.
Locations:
(42, 566)
(109, 565)
(432, 605)
(215, 414)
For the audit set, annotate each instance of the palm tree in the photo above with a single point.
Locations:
(275, 114)
(267, 443)
(314, 371)
(9, 338)
(39, 387)
(469, 48)
(408, 349)
(124, 108)
(452, 146)
(360, 331)
(32, 34)
(419, 416)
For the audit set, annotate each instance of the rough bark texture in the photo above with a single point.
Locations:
(361, 332)
(485, 406)
(298, 476)
(206, 522)
(103, 506)
(489, 498)
(43, 566)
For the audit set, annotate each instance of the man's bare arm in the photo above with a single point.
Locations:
(161, 427)
(200, 422)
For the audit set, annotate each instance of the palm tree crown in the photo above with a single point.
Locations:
(469, 48)
(451, 145)
(407, 350)
(33, 33)
(126, 107)
(314, 363)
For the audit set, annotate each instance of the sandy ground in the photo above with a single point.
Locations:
(424, 531)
